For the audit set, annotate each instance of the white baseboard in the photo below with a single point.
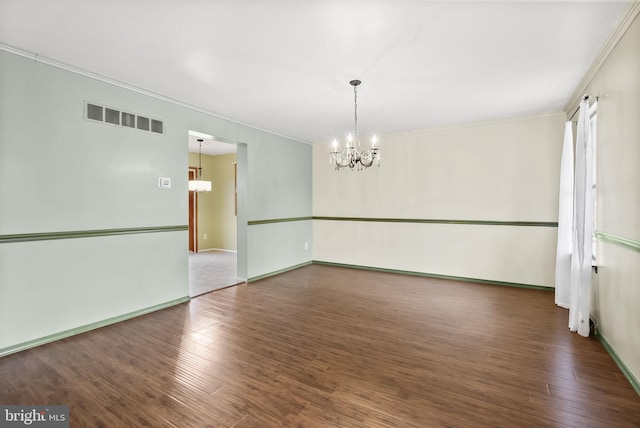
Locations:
(217, 249)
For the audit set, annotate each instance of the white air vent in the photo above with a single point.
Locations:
(94, 112)
(156, 126)
(112, 116)
(116, 117)
(129, 120)
(143, 123)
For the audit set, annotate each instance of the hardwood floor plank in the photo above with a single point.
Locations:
(324, 346)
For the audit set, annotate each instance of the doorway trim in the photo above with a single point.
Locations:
(193, 213)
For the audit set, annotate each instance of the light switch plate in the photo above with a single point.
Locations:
(164, 182)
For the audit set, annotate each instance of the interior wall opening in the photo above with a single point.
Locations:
(213, 214)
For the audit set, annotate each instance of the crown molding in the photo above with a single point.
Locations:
(73, 69)
(489, 122)
(629, 15)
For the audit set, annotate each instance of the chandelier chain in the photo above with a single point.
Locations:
(355, 112)
(197, 184)
(200, 158)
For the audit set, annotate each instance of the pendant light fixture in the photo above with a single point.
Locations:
(199, 185)
(351, 156)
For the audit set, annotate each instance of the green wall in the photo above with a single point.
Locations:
(282, 189)
(60, 172)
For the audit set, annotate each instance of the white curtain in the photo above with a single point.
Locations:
(582, 236)
(565, 221)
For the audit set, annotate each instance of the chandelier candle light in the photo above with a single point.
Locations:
(199, 185)
(351, 156)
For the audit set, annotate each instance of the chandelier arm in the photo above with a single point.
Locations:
(343, 159)
(366, 159)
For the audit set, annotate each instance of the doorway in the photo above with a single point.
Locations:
(213, 224)
(193, 214)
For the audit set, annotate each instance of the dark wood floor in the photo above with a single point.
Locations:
(326, 346)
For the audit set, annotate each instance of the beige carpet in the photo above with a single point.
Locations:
(211, 270)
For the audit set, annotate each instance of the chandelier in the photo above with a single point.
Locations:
(199, 185)
(352, 156)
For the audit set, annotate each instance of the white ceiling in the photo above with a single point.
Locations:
(210, 145)
(284, 66)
